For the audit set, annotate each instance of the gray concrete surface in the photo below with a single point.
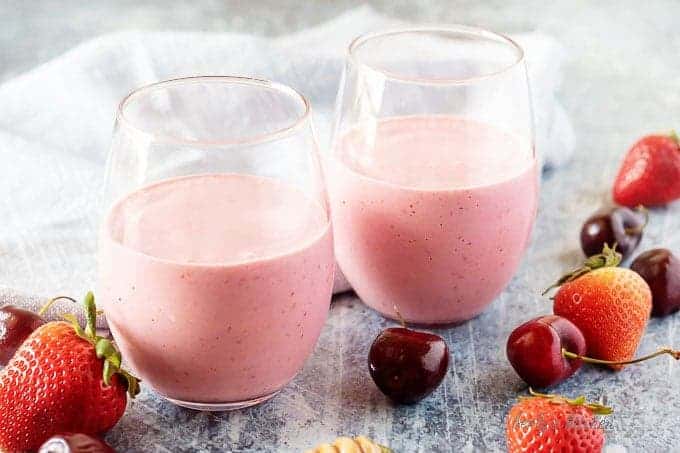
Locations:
(623, 80)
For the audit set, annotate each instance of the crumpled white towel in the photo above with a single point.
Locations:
(55, 128)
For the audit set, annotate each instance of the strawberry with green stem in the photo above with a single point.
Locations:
(610, 305)
(541, 422)
(62, 379)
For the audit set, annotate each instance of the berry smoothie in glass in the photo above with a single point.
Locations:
(215, 253)
(433, 179)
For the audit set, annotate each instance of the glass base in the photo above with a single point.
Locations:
(439, 324)
(222, 407)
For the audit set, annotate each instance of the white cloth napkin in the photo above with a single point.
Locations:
(56, 120)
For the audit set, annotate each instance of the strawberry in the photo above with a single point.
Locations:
(62, 379)
(650, 172)
(609, 304)
(551, 423)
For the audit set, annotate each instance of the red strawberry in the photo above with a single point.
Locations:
(650, 172)
(62, 379)
(550, 423)
(609, 304)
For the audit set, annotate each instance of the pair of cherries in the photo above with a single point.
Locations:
(658, 267)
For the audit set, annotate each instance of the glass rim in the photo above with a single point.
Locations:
(298, 122)
(469, 30)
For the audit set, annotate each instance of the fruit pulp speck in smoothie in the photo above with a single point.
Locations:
(216, 287)
(431, 214)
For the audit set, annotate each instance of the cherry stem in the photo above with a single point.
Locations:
(401, 319)
(639, 229)
(51, 302)
(570, 355)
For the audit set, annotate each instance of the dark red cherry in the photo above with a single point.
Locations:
(534, 350)
(661, 270)
(407, 365)
(620, 226)
(16, 324)
(75, 443)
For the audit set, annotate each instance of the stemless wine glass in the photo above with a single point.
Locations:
(215, 253)
(433, 179)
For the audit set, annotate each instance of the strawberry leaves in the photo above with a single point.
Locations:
(104, 348)
(608, 258)
(91, 315)
(595, 408)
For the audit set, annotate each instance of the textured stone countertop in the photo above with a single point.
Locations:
(622, 81)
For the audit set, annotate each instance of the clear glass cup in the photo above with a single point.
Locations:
(215, 252)
(433, 177)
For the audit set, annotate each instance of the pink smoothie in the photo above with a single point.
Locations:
(431, 214)
(216, 286)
